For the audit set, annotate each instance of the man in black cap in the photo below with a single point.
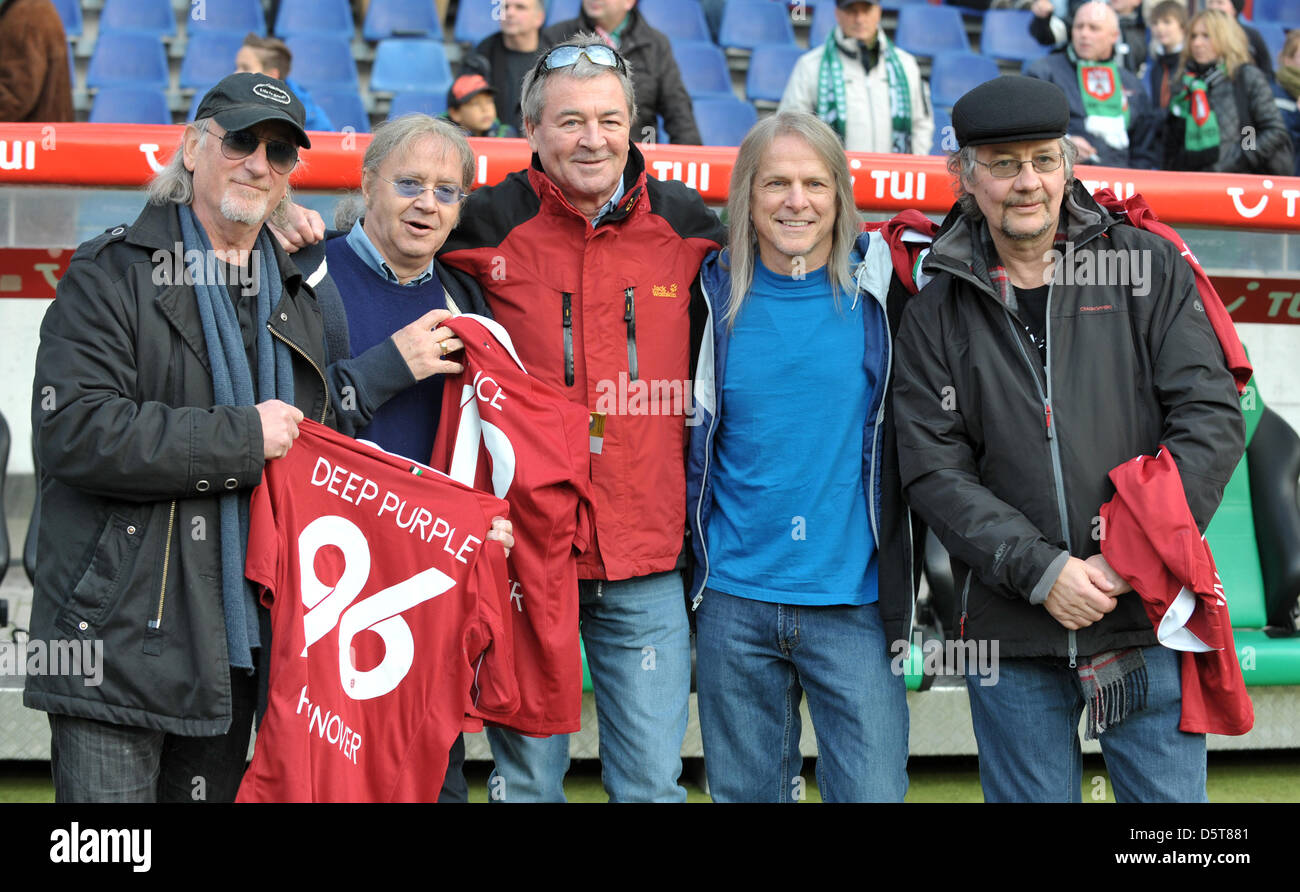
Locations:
(1053, 343)
(181, 354)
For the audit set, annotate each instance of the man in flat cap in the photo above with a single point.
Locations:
(1021, 380)
(180, 356)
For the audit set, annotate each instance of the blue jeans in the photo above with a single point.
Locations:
(1027, 724)
(754, 662)
(94, 761)
(637, 640)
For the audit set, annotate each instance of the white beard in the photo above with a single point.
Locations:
(250, 211)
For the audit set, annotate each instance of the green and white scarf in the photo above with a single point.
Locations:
(1105, 108)
(832, 106)
(1200, 125)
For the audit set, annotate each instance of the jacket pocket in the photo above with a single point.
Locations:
(99, 588)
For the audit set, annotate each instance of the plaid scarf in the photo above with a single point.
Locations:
(832, 107)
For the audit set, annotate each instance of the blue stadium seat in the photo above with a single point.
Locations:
(140, 16)
(209, 56)
(952, 75)
(344, 107)
(942, 130)
(562, 10)
(129, 60)
(899, 4)
(321, 60)
(70, 13)
(226, 17)
(314, 17)
(1274, 34)
(769, 70)
(704, 69)
(403, 65)
(823, 22)
(747, 23)
(1283, 12)
(405, 18)
(130, 105)
(474, 22)
(926, 30)
(418, 102)
(723, 121)
(1006, 36)
(679, 19)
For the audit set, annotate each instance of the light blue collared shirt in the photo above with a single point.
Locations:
(611, 204)
(370, 256)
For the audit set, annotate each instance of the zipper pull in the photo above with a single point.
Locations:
(629, 316)
(1074, 650)
(1047, 415)
(566, 320)
(961, 633)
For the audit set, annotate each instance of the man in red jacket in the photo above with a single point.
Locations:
(589, 264)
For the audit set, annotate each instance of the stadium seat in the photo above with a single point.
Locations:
(344, 107)
(321, 60)
(769, 70)
(679, 19)
(129, 60)
(942, 125)
(417, 102)
(1274, 35)
(315, 17)
(899, 4)
(704, 69)
(403, 65)
(952, 75)
(1006, 36)
(130, 105)
(823, 22)
(474, 23)
(562, 10)
(748, 23)
(226, 17)
(723, 121)
(70, 13)
(209, 56)
(1286, 12)
(405, 18)
(139, 16)
(925, 30)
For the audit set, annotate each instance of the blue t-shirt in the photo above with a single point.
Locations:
(408, 423)
(789, 521)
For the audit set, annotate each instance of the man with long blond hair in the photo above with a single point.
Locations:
(803, 558)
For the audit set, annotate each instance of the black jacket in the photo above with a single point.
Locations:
(133, 456)
(492, 58)
(1268, 151)
(655, 78)
(1129, 368)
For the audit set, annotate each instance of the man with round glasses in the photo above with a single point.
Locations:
(181, 354)
(1053, 343)
(589, 264)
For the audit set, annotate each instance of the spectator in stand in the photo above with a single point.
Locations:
(1111, 119)
(35, 84)
(869, 91)
(1050, 29)
(1255, 44)
(471, 106)
(1286, 90)
(506, 56)
(1223, 117)
(269, 56)
(649, 56)
(1169, 28)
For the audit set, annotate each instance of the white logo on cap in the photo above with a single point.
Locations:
(274, 93)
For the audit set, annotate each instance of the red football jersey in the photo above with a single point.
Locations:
(386, 607)
(505, 431)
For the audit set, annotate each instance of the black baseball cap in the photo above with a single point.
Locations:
(243, 99)
(1011, 108)
(840, 4)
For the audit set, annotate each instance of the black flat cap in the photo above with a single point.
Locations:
(1011, 108)
(243, 99)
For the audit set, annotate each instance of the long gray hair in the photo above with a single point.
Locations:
(174, 184)
(962, 165)
(742, 242)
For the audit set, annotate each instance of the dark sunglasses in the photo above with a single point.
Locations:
(239, 144)
(597, 54)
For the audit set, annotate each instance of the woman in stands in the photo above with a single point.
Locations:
(1286, 91)
(1222, 116)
